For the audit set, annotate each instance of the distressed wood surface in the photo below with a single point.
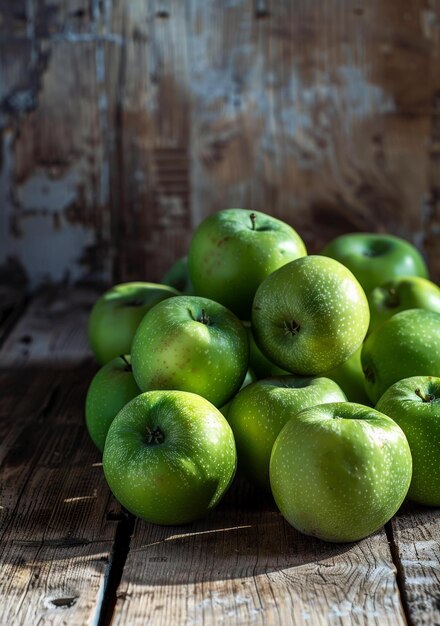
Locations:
(54, 330)
(123, 124)
(64, 544)
(57, 521)
(244, 565)
(416, 546)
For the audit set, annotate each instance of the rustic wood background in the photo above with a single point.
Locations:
(124, 123)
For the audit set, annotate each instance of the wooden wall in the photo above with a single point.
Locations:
(124, 122)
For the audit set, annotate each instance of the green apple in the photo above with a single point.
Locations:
(310, 315)
(178, 277)
(350, 377)
(259, 363)
(414, 404)
(375, 258)
(400, 294)
(258, 413)
(248, 379)
(340, 471)
(192, 344)
(406, 345)
(110, 390)
(169, 456)
(116, 315)
(233, 251)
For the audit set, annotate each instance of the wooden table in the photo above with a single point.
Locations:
(69, 555)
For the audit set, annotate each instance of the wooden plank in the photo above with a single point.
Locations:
(153, 163)
(53, 331)
(12, 303)
(244, 565)
(54, 145)
(58, 521)
(56, 535)
(416, 547)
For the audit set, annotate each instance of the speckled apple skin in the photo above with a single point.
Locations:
(325, 300)
(401, 294)
(112, 387)
(228, 259)
(184, 477)
(420, 421)
(116, 315)
(172, 350)
(376, 257)
(406, 345)
(340, 471)
(259, 411)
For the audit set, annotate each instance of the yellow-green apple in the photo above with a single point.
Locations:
(112, 387)
(350, 378)
(310, 315)
(400, 294)
(340, 471)
(259, 411)
(232, 251)
(414, 404)
(191, 344)
(116, 315)
(408, 344)
(375, 258)
(169, 456)
(178, 277)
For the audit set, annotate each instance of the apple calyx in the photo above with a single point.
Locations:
(127, 367)
(134, 302)
(429, 397)
(155, 436)
(369, 374)
(253, 220)
(291, 328)
(392, 301)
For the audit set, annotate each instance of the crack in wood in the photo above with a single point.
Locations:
(121, 548)
(400, 573)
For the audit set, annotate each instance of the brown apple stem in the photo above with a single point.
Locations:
(204, 319)
(128, 365)
(392, 299)
(426, 398)
(155, 437)
(253, 220)
(369, 374)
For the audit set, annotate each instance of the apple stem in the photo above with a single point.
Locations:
(204, 319)
(253, 220)
(369, 374)
(155, 437)
(128, 365)
(426, 398)
(392, 299)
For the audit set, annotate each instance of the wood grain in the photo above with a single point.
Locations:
(56, 530)
(54, 330)
(244, 565)
(123, 124)
(416, 542)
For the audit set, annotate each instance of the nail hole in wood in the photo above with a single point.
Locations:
(262, 14)
(64, 603)
(163, 15)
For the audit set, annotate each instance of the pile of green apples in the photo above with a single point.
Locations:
(254, 353)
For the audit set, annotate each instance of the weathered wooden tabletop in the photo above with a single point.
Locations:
(70, 556)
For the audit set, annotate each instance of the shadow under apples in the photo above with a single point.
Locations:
(56, 505)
